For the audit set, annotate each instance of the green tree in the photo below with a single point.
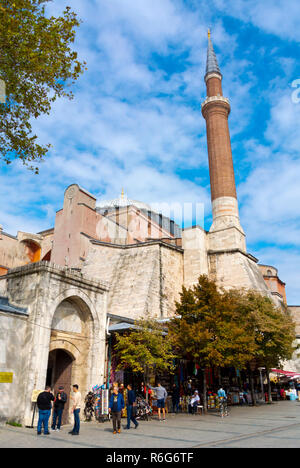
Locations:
(235, 328)
(275, 334)
(146, 348)
(37, 65)
(211, 328)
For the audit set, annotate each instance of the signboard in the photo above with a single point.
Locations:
(6, 377)
(35, 395)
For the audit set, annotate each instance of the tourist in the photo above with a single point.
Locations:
(58, 408)
(297, 386)
(189, 387)
(116, 406)
(246, 397)
(175, 398)
(195, 401)
(131, 407)
(243, 399)
(44, 406)
(76, 399)
(143, 390)
(282, 394)
(150, 396)
(221, 393)
(161, 395)
(112, 386)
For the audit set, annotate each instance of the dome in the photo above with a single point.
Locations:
(121, 202)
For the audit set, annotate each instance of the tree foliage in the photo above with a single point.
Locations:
(231, 328)
(211, 328)
(218, 328)
(146, 348)
(274, 330)
(37, 65)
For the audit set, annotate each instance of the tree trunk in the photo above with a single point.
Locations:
(252, 388)
(220, 376)
(204, 391)
(269, 384)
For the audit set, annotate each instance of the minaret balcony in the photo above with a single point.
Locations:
(216, 100)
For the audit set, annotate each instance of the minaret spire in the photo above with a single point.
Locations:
(215, 110)
(212, 65)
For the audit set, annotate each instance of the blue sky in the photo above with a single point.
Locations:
(136, 118)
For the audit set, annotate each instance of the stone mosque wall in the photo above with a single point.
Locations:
(144, 278)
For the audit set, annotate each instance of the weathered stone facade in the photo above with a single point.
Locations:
(195, 259)
(41, 288)
(144, 278)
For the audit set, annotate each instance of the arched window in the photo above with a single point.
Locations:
(32, 250)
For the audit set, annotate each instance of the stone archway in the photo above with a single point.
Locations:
(44, 287)
(71, 342)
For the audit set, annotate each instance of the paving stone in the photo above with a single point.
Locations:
(273, 426)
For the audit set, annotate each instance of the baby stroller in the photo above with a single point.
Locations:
(143, 409)
(89, 408)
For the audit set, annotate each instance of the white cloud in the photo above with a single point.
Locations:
(280, 18)
(271, 193)
(284, 128)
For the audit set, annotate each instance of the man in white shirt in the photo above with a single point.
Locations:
(194, 402)
(76, 405)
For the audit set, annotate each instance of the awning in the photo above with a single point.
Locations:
(286, 373)
(124, 326)
(121, 327)
(5, 306)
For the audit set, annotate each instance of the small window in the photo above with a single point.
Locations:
(160, 220)
(172, 227)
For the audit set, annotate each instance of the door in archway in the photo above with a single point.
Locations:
(60, 373)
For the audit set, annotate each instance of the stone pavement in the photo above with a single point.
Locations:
(266, 426)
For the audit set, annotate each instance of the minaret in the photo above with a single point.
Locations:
(226, 231)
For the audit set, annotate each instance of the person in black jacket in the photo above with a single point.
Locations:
(131, 402)
(44, 405)
(175, 398)
(59, 405)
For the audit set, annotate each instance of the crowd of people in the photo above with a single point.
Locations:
(44, 404)
(117, 405)
(180, 398)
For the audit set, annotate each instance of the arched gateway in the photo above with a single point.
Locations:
(59, 373)
(71, 339)
(64, 331)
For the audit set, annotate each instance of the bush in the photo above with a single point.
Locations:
(13, 423)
